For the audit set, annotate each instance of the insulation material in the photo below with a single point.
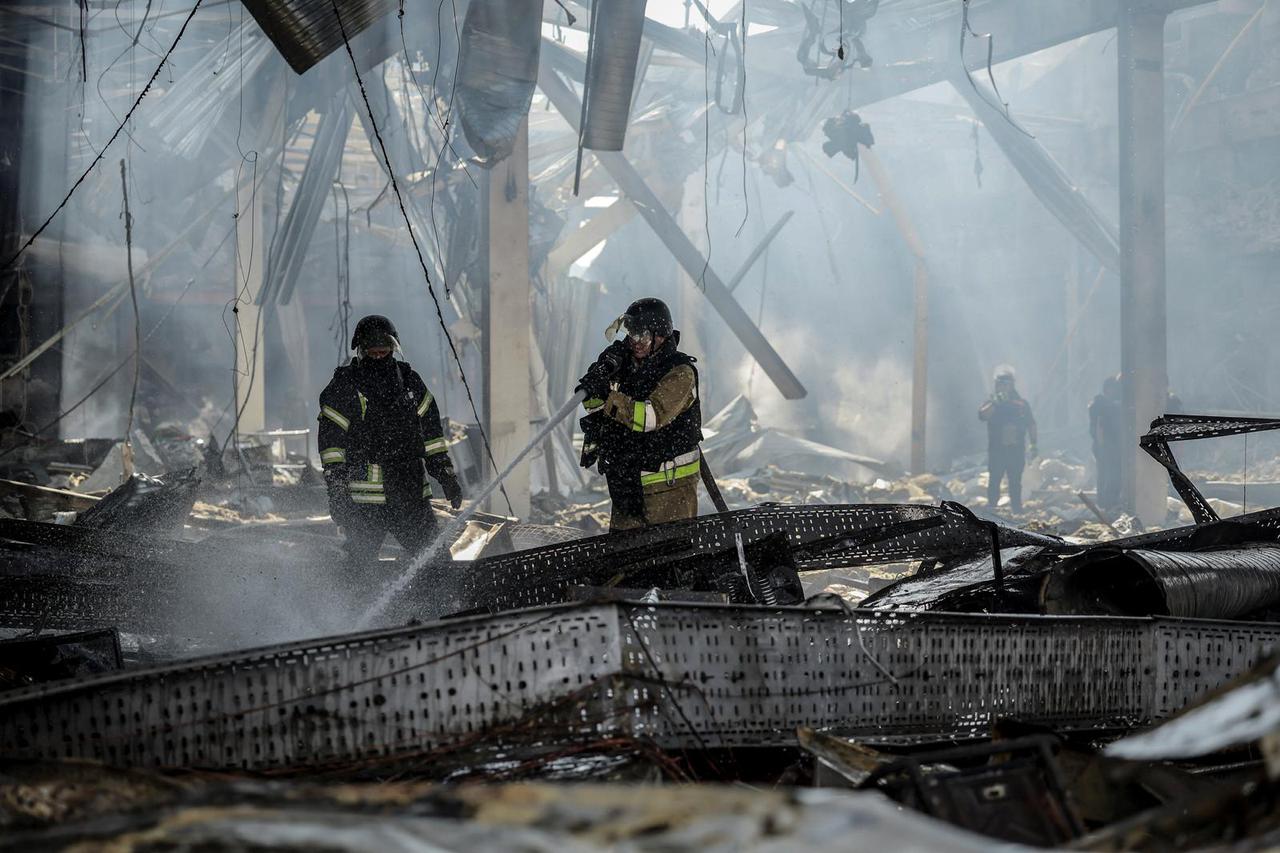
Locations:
(306, 31)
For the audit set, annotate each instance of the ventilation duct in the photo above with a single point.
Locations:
(616, 27)
(306, 31)
(497, 72)
(1220, 584)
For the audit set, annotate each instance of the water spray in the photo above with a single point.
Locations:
(455, 527)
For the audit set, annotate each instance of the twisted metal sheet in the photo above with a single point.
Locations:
(543, 575)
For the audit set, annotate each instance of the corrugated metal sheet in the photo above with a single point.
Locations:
(1217, 584)
(306, 31)
(611, 72)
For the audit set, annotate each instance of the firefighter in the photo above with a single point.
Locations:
(1009, 427)
(1105, 417)
(380, 435)
(643, 425)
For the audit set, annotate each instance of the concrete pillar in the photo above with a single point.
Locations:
(508, 322)
(250, 266)
(266, 118)
(1143, 356)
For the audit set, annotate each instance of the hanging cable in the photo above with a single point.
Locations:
(706, 152)
(133, 296)
(445, 143)
(742, 95)
(395, 187)
(966, 29)
(9, 262)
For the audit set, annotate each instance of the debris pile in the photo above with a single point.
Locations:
(707, 650)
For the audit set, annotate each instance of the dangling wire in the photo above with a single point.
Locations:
(133, 296)
(840, 48)
(707, 50)
(742, 95)
(967, 30)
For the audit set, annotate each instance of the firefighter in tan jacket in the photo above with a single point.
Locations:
(643, 425)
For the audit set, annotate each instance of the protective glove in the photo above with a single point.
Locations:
(341, 507)
(452, 491)
(594, 384)
(611, 359)
(1033, 452)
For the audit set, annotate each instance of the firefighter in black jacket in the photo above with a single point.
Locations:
(644, 423)
(380, 435)
(1009, 426)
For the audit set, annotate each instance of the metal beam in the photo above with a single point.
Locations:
(1044, 177)
(309, 200)
(758, 251)
(635, 188)
(599, 227)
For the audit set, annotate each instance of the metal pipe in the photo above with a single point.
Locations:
(616, 28)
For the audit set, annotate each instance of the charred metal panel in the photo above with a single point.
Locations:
(26, 660)
(825, 536)
(342, 699)
(1187, 428)
(682, 676)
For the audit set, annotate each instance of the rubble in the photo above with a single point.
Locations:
(655, 654)
(105, 808)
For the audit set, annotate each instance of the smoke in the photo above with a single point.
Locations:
(862, 404)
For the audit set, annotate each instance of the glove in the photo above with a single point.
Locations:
(341, 507)
(594, 384)
(611, 360)
(1033, 452)
(452, 491)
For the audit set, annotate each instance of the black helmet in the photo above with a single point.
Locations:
(375, 331)
(648, 315)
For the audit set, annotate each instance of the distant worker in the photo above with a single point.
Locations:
(1104, 431)
(1009, 427)
(380, 435)
(644, 421)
